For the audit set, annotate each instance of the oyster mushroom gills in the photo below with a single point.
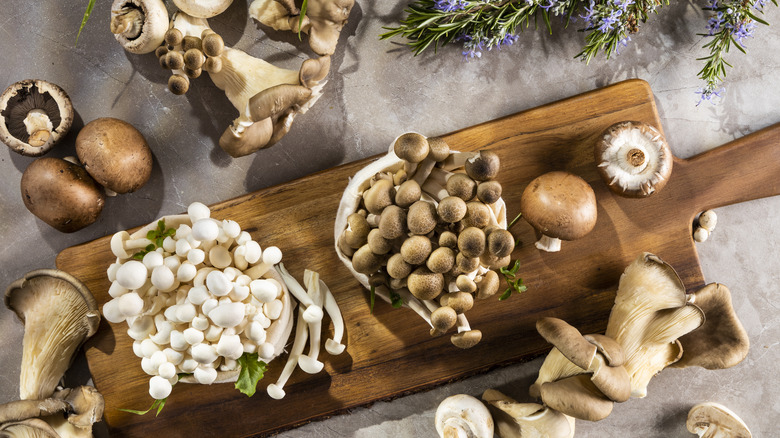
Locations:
(633, 159)
(560, 206)
(199, 294)
(412, 229)
(67, 413)
(59, 313)
(34, 116)
(462, 415)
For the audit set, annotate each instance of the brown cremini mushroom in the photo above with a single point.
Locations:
(59, 313)
(115, 153)
(61, 194)
(34, 116)
(633, 159)
(560, 206)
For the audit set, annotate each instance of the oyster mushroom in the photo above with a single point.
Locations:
(526, 420)
(560, 206)
(712, 420)
(115, 153)
(462, 415)
(633, 159)
(61, 194)
(66, 413)
(139, 25)
(59, 313)
(34, 116)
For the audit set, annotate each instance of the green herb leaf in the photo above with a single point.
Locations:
(371, 299)
(396, 300)
(84, 19)
(515, 283)
(252, 370)
(158, 404)
(304, 7)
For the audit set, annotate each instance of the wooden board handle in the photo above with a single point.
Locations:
(744, 170)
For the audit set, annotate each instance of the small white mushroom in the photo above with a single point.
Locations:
(193, 336)
(132, 274)
(163, 278)
(159, 387)
(276, 390)
(196, 256)
(271, 256)
(333, 345)
(116, 290)
(124, 247)
(701, 234)
(198, 211)
(218, 283)
(205, 230)
(309, 363)
(228, 314)
(229, 346)
(462, 415)
(130, 304)
(708, 219)
(204, 353)
(152, 260)
(205, 375)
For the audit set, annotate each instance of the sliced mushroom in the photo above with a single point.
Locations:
(61, 194)
(633, 159)
(139, 25)
(34, 116)
(462, 415)
(59, 313)
(560, 206)
(713, 420)
(115, 153)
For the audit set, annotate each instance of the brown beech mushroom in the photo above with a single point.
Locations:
(713, 420)
(451, 209)
(483, 166)
(462, 186)
(443, 318)
(460, 302)
(412, 148)
(488, 286)
(633, 159)
(424, 284)
(471, 242)
(397, 267)
(416, 249)
(378, 244)
(421, 218)
(34, 116)
(407, 193)
(59, 313)
(392, 222)
(441, 260)
(61, 194)
(489, 191)
(500, 243)
(115, 154)
(560, 206)
(139, 25)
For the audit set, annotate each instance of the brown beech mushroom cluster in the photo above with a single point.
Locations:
(427, 226)
(323, 20)
(633, 159)
(59, 313)
(560, 206)
(34, 116)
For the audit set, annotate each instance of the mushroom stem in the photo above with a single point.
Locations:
(127, 21)
(39, 127)
(457, 160)
(275, 390)
(309, 363)
(549, 244)
(295, 288)
(333, 345)
(435, 184)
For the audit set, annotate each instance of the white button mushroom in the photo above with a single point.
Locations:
(132, 274)
(159, 387)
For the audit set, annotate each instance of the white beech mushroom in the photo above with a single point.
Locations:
(267, 97)
(139, 25)
(34, 116)
(323, 21)
(650, 314)
(560, 206)
(59, 313)
(462, 415)
(713, 420)
(526, 420)
(633, 159)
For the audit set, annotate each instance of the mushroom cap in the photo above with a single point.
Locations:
(32, 427)
(115, 153)
(153, 28)
(439, 149)
(462, 415)
(462, 186)
(61, 194)
(441, 260)
(477, 215)
(721, 342)
(416, 249)
(578, 397)
(392, 222)
(515, 420)
(500, 243)
(444, 318)
(608, 347)
(18, 100)
(59, 313)
(397, 267)
(424, 284)
(411, 147)
(274, 101)
(466, 264)
(483, 166)
(710, 420)
(357, 233)
(471, 242)
(408, 193)
(255, 137)
(451, 209)
(421, 218)
(633, 159)
(460, 302)
(568, 340)
(489, 191)
(466, 339)
(488, 286)
(448, 239)
(379, 196)
(314, 70)
(560, 204)
(203, 8)
(377, 243)
(365, 261)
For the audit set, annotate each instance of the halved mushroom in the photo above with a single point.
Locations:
(61, 194)
(560, 206)
(115, 153)
(633, 159)
(139, 25)
(59, 313)
(713, 420)
(34, 116)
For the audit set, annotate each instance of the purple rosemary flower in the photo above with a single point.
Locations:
(714, 4)
(508, 40)
(714, 24)
(623, 42)
(589, 12)
(709, 94)
(450, 5)
(743, 30)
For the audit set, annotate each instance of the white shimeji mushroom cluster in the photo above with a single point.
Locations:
(199, 302)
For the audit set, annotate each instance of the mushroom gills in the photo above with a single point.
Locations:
(32, 115)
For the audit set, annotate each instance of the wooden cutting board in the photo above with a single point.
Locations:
(390, 352)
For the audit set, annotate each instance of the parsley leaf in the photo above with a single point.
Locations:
(157, 236)
(515, 283)
(252, 371)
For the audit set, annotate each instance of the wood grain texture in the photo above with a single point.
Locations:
(390, 352)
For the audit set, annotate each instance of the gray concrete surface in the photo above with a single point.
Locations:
(376, 91)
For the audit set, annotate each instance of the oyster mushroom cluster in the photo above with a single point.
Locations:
(59, 314)
(426, 226)
(197, 294)
(266, 97)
